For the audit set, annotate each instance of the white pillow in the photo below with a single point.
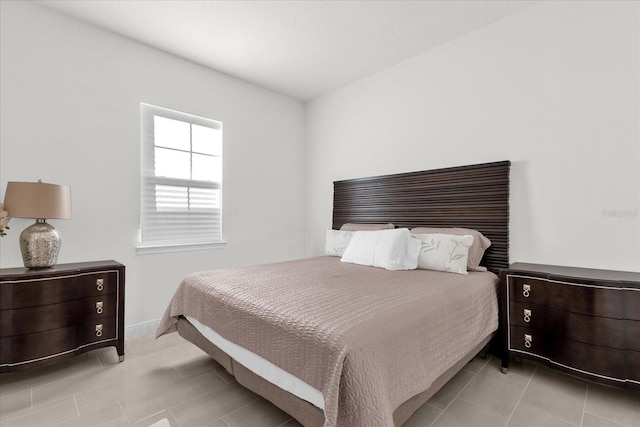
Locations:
(336, 242)
(444, 252)
(390, 249)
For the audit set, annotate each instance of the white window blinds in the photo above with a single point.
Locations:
(181, 179)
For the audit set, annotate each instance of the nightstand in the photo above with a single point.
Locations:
(583, 321)
(52, 314)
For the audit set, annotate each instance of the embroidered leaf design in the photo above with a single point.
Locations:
(452, 255)
(459, 243)
(430, 246)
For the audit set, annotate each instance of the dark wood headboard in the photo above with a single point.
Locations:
(474, 196)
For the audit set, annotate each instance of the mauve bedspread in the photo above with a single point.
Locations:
(368, 338)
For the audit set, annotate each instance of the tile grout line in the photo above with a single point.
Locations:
(584, 405)
(75, 402)
(461, 390)
(219, 376)
(137, 366)
(224, 421)
(287, 422)
(126, 417)
(99, 362)
(522, 395)
(174, 417)
(151, 416)
(257, 398)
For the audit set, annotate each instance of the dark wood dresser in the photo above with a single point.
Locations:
(583, 321)
(51, 314)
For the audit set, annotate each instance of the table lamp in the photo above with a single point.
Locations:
(40, 242)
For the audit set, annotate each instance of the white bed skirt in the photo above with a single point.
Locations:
(262, 367)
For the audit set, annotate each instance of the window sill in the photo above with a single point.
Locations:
(161, 249)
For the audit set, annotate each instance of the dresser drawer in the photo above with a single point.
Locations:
(527, 339)
(602, 331)
(590, 358)
(632, 304)
(94, 284)
(527, 290)
(5, 323)
(633, 365)
(31, 320)
(39, 292)
(586, 300)
(98, 330)
(632, 335)
(527, 314)
(5, 350)
(38, 345)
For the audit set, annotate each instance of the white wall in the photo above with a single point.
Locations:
(70, 98)
(554, 89)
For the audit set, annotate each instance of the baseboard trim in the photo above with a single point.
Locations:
(141, 329)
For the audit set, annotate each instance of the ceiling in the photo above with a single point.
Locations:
(301, 48)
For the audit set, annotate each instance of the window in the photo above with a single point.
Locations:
(181, 181)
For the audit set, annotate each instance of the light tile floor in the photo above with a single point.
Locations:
(170, 378)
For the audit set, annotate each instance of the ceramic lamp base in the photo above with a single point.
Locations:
(40, 245)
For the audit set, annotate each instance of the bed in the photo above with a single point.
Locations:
(341, 344)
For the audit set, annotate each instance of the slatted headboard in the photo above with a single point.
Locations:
(474, 196)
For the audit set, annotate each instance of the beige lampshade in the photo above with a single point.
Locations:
(37, 200)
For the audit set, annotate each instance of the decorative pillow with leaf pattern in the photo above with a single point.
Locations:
(444, 252)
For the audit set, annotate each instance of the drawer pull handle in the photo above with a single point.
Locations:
(526, 290)
(99, 307)
(99, 284)
(99, 330)
(527, 340)
(527, 315)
